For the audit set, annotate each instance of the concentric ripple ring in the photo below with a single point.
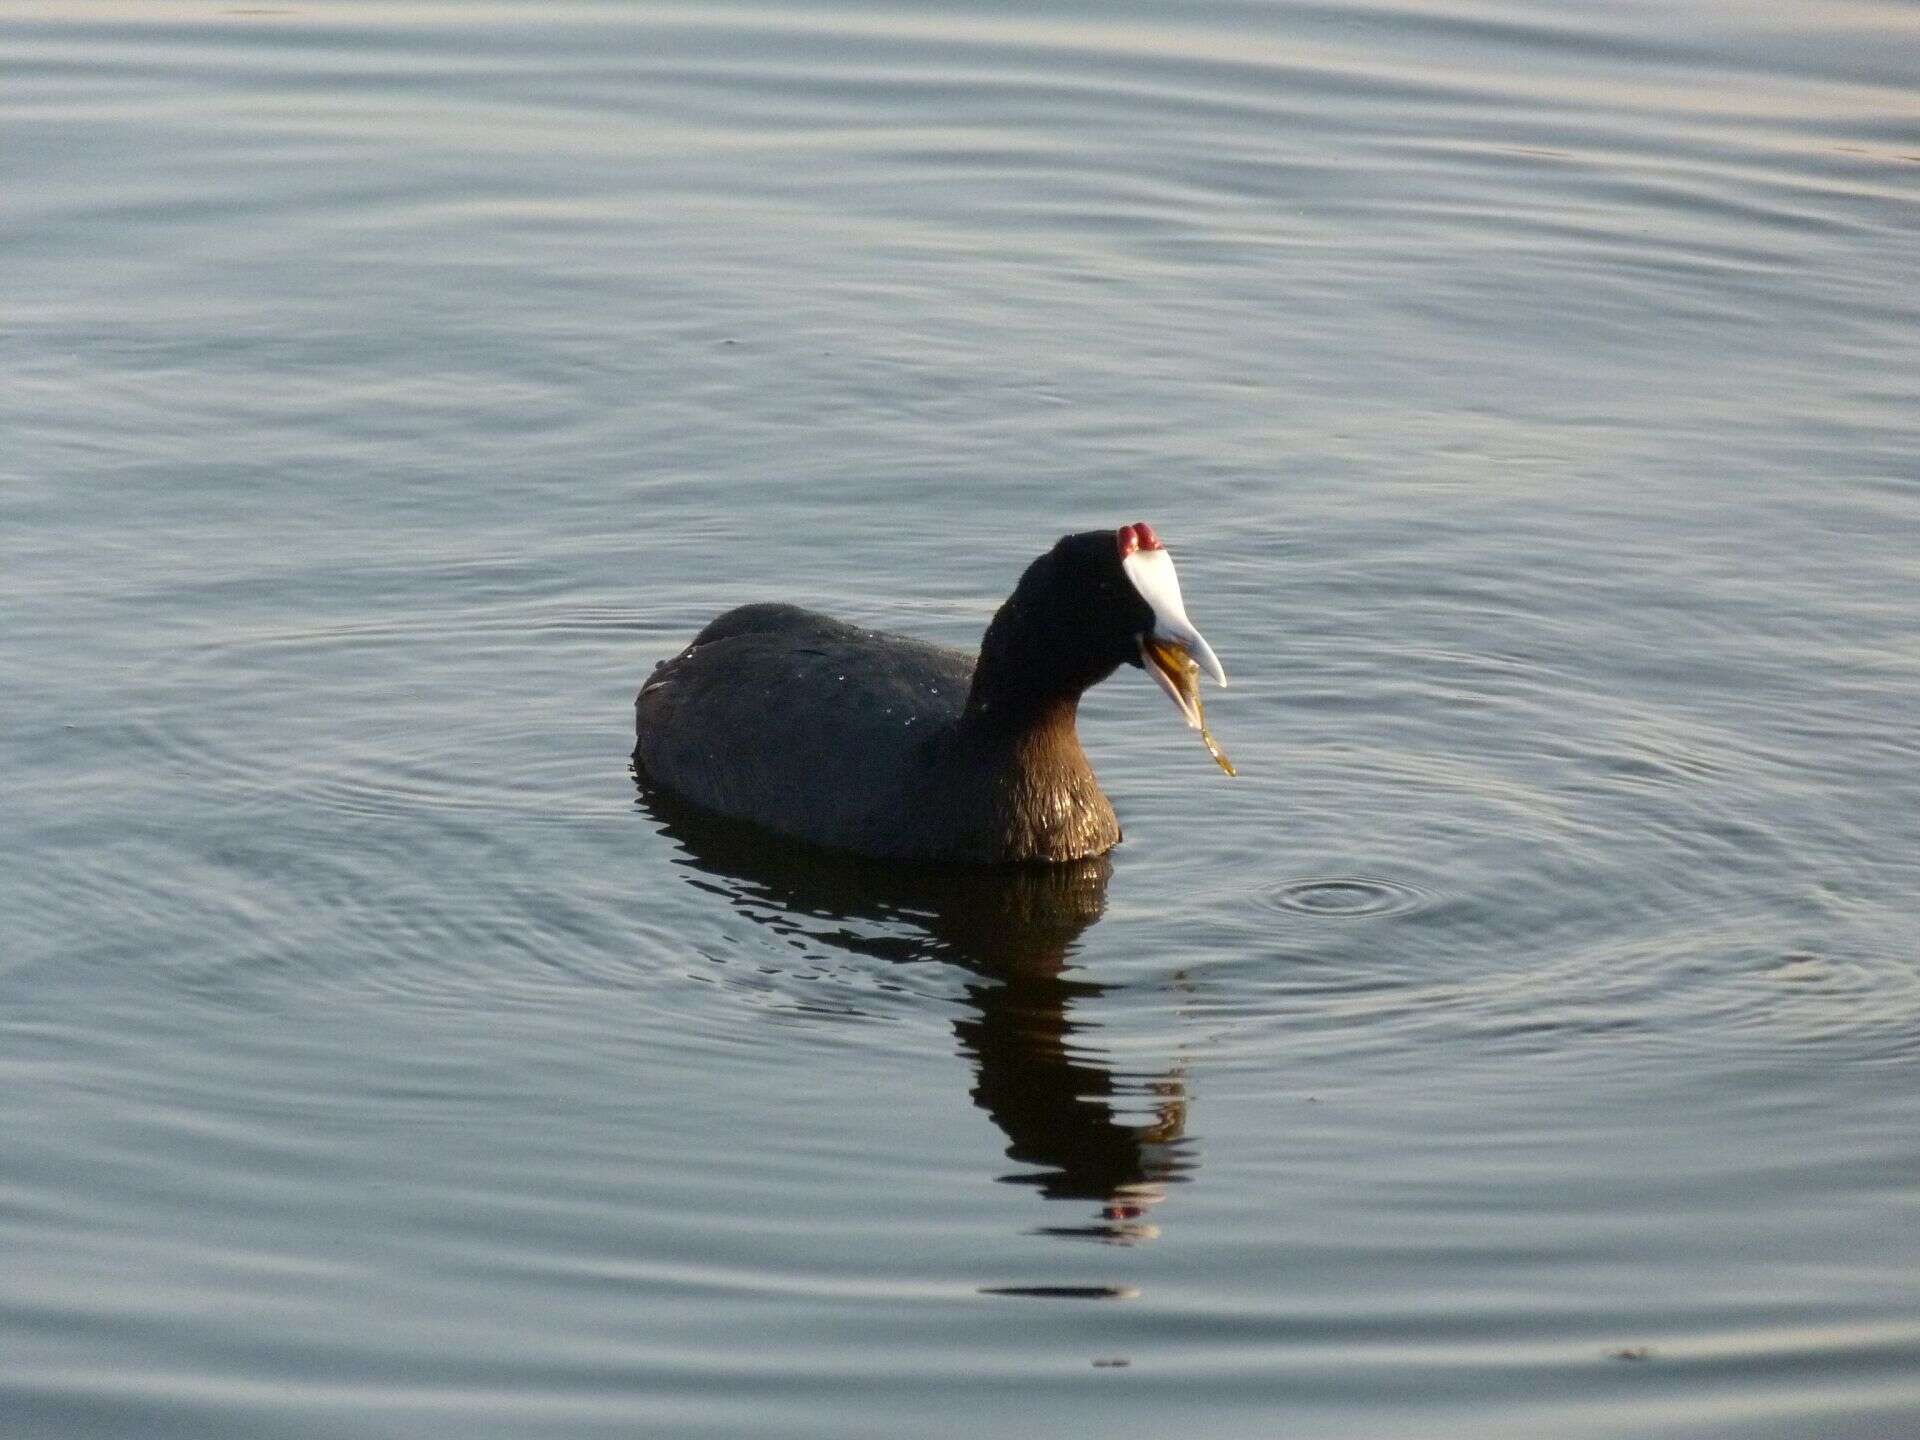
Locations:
(1345, 897)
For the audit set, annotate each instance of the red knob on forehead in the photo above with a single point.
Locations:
(1148, 540)
(1129, 540)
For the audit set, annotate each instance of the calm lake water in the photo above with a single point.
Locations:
(1526, 1044)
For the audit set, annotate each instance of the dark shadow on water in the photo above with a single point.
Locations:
(1013, 932)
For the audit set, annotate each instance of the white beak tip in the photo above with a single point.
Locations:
(1204, 656)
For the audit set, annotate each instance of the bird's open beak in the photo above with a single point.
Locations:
(1173, 652)
(1173, 669)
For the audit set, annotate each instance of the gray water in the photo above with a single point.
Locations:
(1526, 1044)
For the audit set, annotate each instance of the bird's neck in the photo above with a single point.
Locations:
(1021, 779)
(1025, 695)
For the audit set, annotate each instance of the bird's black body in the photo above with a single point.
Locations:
(885, 746)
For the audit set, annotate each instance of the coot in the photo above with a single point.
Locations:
(888, 747)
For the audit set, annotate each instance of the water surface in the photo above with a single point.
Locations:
(1526, 1043)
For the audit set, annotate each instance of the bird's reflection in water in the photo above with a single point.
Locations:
(1012, 931)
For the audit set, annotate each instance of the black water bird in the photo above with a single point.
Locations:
(888, 747)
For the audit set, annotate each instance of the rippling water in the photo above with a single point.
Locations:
(1525, 1044)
